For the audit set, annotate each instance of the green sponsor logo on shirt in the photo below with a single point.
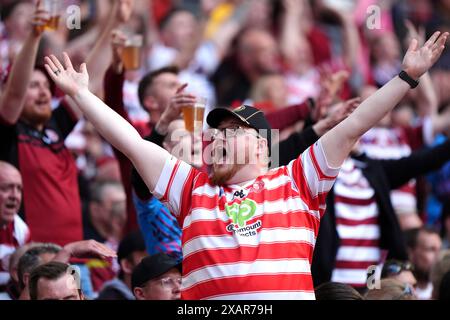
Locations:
(242, 212)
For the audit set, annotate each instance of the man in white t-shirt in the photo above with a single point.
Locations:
(248, 232)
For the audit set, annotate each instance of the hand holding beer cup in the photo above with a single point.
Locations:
(173, 110)
(131, 54)
(193, 114)
(53, 10)
(118, 39)
(39, 20)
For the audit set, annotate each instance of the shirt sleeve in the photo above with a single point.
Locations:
(311, 172)
(175, 185)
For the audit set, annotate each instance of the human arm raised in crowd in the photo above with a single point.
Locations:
(159, 133)
(338, 142)
(13, 97)
(115, 76)
(293, 33)
(148, 158)
(427, 100)
(100, 57)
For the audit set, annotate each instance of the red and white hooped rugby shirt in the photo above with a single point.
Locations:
(249, 242)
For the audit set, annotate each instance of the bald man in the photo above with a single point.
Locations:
(14, 232)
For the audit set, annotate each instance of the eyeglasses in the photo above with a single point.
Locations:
(397, 267)
(169, 283)
(231, 132)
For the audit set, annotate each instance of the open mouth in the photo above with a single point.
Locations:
(11, 206)
(220, 155)
(42, 102)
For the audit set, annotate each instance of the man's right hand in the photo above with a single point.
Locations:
(39, 20)
(84, 249)
(118, 40)
(173, 111)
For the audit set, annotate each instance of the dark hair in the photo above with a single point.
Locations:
(444, 287)
(8, 8)
(147, 81)
(169, 15)
(51, 271)
(41, 68)
(37, 67)
(412, 235)
(336, 291)
(31, 259)
(130, 243)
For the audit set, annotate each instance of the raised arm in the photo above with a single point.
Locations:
(100, 56)
(293, 35)
(13, 97)
(339, 141)
(148, 158)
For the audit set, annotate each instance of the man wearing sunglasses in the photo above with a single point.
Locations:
(399, 270)
(253, 236)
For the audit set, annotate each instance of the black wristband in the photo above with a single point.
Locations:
(405, 77)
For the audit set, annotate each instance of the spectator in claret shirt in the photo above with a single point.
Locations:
(14, 232)
(33, 138)
(248, 232)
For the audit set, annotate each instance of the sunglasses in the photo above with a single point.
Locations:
(397, 267)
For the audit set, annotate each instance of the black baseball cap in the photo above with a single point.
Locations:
(152, 267)
(132, 242)
(248, 115)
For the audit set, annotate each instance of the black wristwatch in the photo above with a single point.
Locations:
(405, 77)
